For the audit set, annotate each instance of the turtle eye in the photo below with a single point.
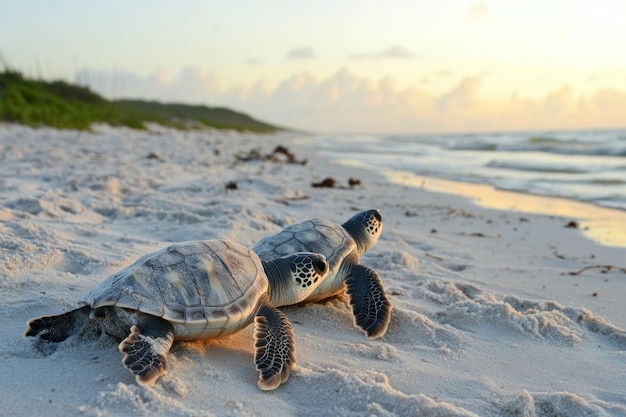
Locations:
(320, 266)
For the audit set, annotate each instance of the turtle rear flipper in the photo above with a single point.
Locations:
(145, 349)
(57, 328)
(275, 351)
(369, 302)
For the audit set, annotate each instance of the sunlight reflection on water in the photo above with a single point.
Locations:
(604, 225)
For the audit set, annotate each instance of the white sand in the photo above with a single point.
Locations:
(487, 320)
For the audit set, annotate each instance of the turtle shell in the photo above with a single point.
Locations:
(205, 288)
(314, 235)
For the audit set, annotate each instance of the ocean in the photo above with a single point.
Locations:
(588, 166)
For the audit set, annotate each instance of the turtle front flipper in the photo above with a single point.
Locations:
(369, 302)
(275, 349)
(57, 328)
(145, 349)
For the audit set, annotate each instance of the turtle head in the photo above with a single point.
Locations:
(365, 227)
(294, 277)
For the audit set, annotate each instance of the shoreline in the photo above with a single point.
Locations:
(604, 225)
(488, 317)
(584, 167)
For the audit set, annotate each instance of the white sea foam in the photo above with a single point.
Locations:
(580, 165)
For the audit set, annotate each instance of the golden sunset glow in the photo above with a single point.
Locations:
(367, 66)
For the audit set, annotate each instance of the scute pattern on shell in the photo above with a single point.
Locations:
(210, 285)
(315, 235)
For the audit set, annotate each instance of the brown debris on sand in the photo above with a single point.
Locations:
(153, 155)
(330, 182)
(603, 269)
(325, 183)
(353, 182)
(280, 154)
(231, 185)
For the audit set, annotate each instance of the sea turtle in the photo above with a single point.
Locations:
(195, 290)
(343, 246)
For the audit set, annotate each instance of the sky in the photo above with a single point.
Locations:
(408, 66)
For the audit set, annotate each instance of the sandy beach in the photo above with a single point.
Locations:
(496, 312)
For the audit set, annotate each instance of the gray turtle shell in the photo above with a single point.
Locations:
(204, 288)
(314, 235)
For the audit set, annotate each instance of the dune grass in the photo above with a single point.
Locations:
(63, 105)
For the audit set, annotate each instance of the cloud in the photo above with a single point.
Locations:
(593, 78)
(607, 99)
(446, 73)
(478, 11)
(305, 52)
(348, 102)
(558, 101)
(393, 52)
(462, 96)
(190, 85)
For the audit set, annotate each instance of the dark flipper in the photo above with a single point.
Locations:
(58, 328)
(369, 302)
(275, 349)
(145, 349)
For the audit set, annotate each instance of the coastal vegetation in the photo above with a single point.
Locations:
(61, 104)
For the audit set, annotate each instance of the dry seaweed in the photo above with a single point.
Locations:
(330, 182)
(280, 154)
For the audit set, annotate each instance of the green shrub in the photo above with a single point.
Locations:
(63, 105)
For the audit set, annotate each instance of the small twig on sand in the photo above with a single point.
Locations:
(434, 257)
(287, 200)
(605, 269)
